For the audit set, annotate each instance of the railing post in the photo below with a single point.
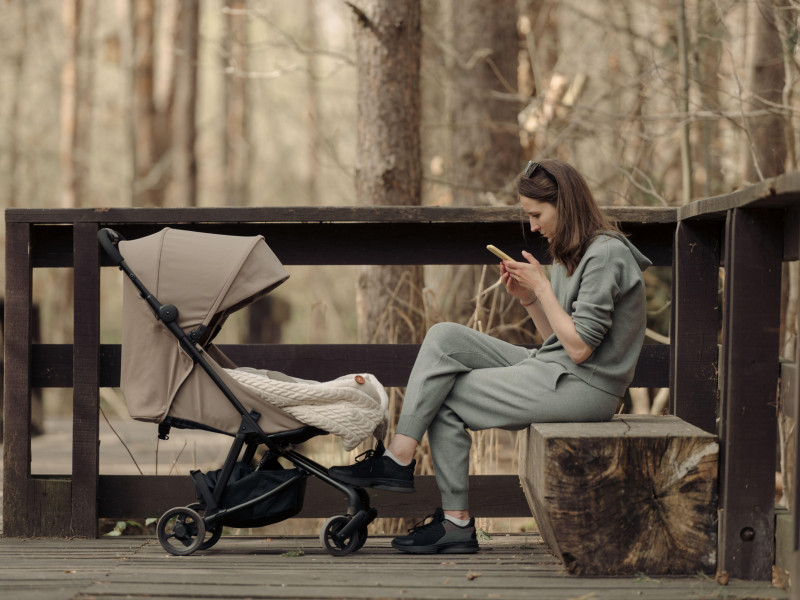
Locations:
(17, 394)
(748, 426)
(694, 388)
(85, 380)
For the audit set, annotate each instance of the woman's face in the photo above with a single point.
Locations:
(543, 216)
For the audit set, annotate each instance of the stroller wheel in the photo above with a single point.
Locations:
(213, 534)
(181, 531)
(334, 544)
(212, 537)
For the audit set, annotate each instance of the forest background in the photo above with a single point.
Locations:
(119, 103)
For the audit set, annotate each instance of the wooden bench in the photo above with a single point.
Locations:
(637, 494)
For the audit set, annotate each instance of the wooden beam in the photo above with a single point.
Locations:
(694, 333)
(142, 496)
(412, 242)
(390, 363)
(748, 427)
(111, 217)
(780, 192)
(86, 381)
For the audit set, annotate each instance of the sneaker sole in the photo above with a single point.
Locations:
(379, 484)
(455, 548)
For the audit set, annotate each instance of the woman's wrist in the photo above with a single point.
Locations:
(532, 298)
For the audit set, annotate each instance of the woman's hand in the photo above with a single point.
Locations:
(524, 280)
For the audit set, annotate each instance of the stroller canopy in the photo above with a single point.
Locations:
(207, 277)
(203, 274)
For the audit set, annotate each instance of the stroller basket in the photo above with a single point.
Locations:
(246, 485)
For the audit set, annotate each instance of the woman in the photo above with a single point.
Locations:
(591, 314)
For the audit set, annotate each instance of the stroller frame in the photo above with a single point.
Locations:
(198, 526)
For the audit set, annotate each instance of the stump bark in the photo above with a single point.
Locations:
(636, 494)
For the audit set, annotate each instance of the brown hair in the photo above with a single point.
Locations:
(579, 218)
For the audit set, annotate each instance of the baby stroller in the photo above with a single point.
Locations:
(174, 376)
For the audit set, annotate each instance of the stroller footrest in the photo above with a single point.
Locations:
(203, 491)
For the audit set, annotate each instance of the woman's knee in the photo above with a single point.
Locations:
(441, 333)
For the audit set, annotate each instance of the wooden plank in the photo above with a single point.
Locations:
(142, 496)
(791, 234)
(390, 363)
(694, 333)
(791, 405)
(370, 243)
(508, 566)
(17, 491)
(748, 424)
(86, 380)
(309, 214)
(778, 192)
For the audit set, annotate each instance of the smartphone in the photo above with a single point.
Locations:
(499, 253)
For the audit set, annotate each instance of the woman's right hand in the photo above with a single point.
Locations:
(513, 286)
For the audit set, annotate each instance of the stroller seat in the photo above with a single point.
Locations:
(296, 436)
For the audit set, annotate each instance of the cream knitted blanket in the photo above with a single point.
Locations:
(352, 406)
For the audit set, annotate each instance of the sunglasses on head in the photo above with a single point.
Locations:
(531, 169)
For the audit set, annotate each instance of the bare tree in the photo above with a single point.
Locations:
(766, 154)
(18, 71)
(145, 158)
(485, 151)
(388, 170)
(236, 130)
(71, 20)
(183, 185)
(313, 97)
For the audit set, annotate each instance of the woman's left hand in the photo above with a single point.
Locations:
(528, 275)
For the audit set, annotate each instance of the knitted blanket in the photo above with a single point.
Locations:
(352, 406)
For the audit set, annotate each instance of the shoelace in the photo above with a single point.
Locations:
(365, 455)
(378, 450)
(422, 524)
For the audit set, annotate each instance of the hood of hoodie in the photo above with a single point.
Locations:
(640, 258)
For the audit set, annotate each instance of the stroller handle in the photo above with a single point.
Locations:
(109, 240)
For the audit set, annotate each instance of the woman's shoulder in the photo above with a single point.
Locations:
(606, 244)
(613, 247)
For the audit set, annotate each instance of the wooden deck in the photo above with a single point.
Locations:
(508, 566)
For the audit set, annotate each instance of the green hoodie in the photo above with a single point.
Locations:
(605, 297)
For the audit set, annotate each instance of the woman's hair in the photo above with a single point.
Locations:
(579, 219)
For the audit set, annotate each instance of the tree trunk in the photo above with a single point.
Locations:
(14, 112)
(145, 178)
(313, 99)
(709, 55)
(183, 185)
(485, 148)
(236, 140)
(71, 20)
(388, 169)
(766, 151)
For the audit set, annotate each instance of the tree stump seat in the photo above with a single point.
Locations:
(635, 494)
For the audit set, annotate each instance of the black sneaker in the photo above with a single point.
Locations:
(440, 535)
(373, 469)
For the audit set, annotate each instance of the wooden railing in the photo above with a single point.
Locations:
(750, 226)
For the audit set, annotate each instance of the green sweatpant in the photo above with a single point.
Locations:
(463, 379)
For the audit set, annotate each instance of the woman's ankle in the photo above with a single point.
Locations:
(403, 448)
(460, 517)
